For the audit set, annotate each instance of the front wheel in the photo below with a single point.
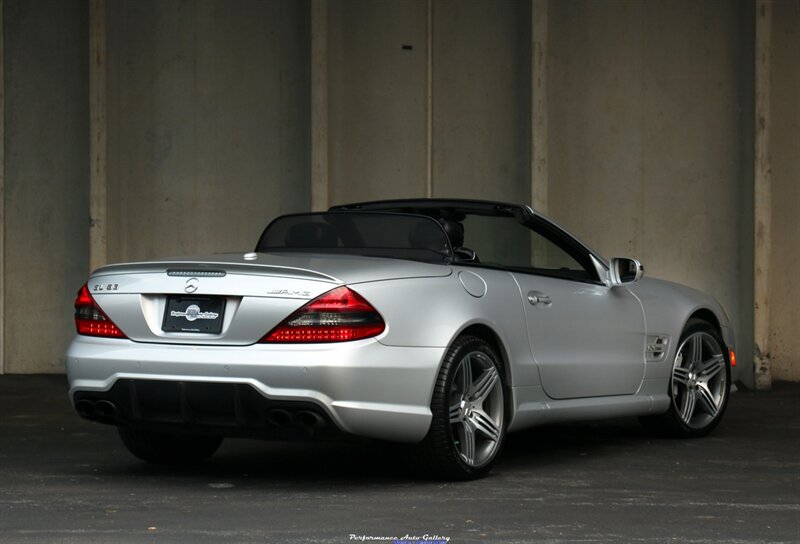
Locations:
(168, 449)
(468, 407)
(699, 385)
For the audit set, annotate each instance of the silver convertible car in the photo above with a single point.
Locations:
(441, 323)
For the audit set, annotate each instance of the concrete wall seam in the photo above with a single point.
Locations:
(762, 196)
(2, 195)
(98, 143)
(319, 105)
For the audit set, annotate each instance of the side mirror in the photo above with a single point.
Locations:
(623, 270)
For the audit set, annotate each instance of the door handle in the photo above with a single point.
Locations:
(537, 297)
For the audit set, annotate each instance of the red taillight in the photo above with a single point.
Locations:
(733, 357)
(90, 319)
(339, 315)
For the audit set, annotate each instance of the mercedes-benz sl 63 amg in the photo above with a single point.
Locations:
(442, 323)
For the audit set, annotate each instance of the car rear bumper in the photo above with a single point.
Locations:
(362, 388)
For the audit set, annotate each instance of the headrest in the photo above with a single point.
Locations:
(455, 232)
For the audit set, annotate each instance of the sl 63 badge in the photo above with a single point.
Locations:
(105, 287)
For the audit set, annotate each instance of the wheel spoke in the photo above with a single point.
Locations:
(697, 349)
(484, 385)
(485, 424)
(466, 376)
(456, 415)
(468, 443)
(712, 367)
(707, 400)
(688, 405)
(680, 376)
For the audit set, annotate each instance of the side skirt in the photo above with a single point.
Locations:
(533, 407)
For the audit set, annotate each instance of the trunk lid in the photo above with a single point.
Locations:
(249, 293)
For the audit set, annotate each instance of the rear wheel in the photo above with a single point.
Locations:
(699, 385)
(168, 449)
(468, 406)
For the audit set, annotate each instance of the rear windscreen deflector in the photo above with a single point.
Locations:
(404, 236)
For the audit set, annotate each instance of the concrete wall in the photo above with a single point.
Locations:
(481, 99)
(785, 137)
(377, 99)
(46, 178)
(377, 70)
(646, 141)
(650, 108)
(208, 123)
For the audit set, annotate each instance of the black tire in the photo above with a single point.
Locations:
(699, 385)
(482, 414)
(168, 449)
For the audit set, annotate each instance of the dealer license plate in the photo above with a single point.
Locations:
(194, 314)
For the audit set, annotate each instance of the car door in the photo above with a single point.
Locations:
(587, 338)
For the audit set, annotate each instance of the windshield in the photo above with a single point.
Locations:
(401, 236)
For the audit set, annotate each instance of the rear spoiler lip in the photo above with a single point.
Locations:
(204, 267)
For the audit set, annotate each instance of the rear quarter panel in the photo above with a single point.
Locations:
(433, 311)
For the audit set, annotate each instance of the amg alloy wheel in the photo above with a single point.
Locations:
(468, 409)
(699, 385)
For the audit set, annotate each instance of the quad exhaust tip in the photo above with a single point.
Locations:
(102, 409)
(304, 418)
(85, 408)
(105, 408)
(309, 419)
(279, 417)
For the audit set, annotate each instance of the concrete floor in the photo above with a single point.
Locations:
(66, 480)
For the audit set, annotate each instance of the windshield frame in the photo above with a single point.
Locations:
(594, 263)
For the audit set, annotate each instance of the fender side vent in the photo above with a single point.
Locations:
(656, 348)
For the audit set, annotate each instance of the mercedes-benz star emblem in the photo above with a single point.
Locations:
(191, 285)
